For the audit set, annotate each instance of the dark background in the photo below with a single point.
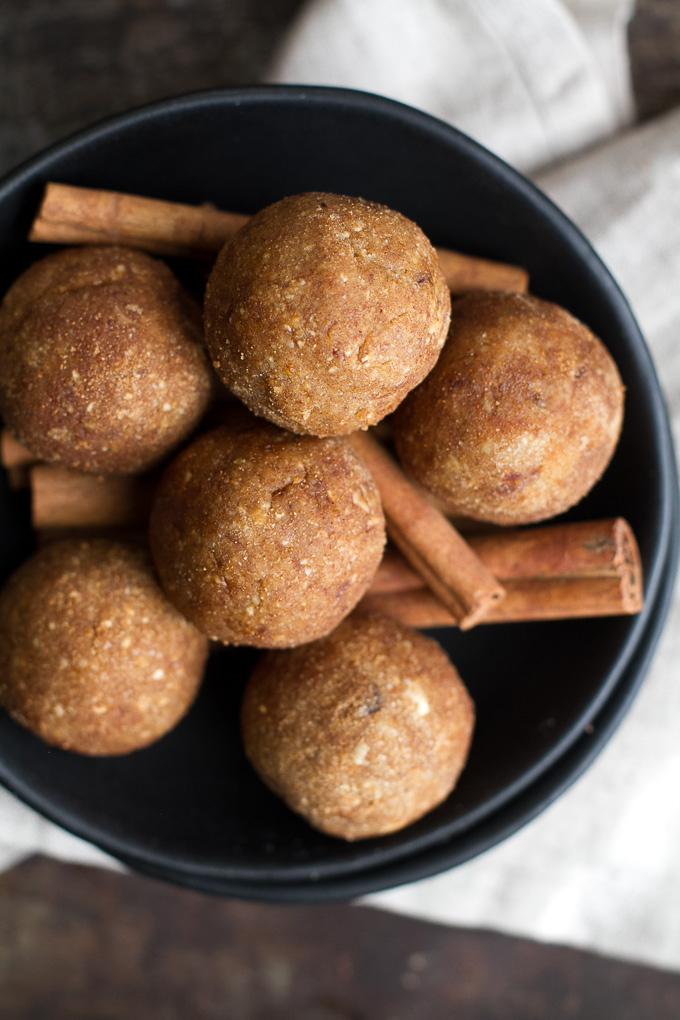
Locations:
(78, 942)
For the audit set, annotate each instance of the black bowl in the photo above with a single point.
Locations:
(548, 695)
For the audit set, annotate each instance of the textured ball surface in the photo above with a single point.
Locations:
(520, 416)
(362, 732)
(264, 538)
(93, 657)
(102, 367)
(324, 311)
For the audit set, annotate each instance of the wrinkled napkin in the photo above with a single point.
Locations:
(545, 85)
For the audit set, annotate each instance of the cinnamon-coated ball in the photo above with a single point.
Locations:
(102, 367)
(93, 657)
(520, 416)
(361, 732)
(265, 538)
(324, 311)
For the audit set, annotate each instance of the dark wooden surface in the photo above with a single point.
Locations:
(68, 63)
(654, 46)
(83, 943)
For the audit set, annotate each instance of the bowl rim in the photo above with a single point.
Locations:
(642, 634)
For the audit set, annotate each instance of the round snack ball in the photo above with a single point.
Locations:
(362, 732)
(264, 538)
(93, 657)
(520, 416)
(102, 367)
(324, 311)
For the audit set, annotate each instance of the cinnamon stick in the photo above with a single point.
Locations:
(68, 499)
(559, 571)
(74, 215)
(70, 215)
(16, 459)
(394, 574)
(525, 600)
(428, 540)
(575, 549)
(465, 272)
(13, 454)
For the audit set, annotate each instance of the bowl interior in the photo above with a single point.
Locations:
(191, 802)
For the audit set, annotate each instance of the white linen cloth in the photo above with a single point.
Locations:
(533, 80)
(537, 81)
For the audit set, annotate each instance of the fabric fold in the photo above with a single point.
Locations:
(520, 76)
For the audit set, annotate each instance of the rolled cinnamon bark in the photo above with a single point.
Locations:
(560, 571)
(602, 548)
(430, 543)
(70, 215)
(13, 454)
(465, 272)
(525, 600)
(67, 499)
(16, 459)
(394, 574)
(73, 215)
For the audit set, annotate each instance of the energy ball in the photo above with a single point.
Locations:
(324, 311)
(93, 657)
(361, 732)
(520, 416)
(102, 367)
(264, 538)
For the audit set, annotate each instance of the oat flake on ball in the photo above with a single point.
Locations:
(265, 538)
(324, 311)
(362, 732)
(520, 416)
(102, 367)
(93, 657)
